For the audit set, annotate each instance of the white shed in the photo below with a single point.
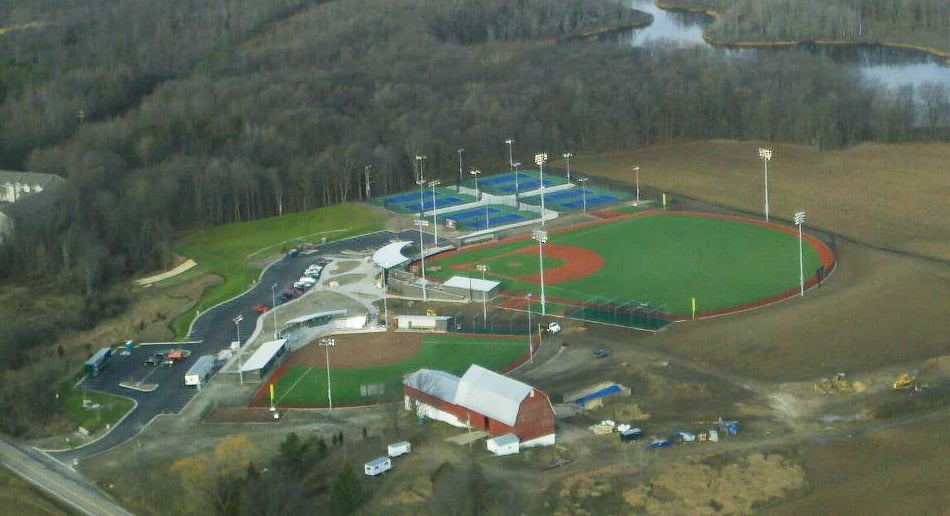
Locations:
(400, 448)
(378, 466)
(439, 323)
(507, 444)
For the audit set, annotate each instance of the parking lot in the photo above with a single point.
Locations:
(170, 396)
(211, 332)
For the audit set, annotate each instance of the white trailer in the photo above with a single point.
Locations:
(200, 371)
(507, 444)
(378, 466)
(400, 448)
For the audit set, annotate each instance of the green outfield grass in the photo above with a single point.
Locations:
(231, 249)
(308, 385)
(660, 259)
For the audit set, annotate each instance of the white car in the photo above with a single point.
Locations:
(554, 327)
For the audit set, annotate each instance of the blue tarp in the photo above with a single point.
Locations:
(606, 391)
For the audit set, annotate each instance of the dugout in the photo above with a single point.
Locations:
(314, 320)
(262, 361)
(475, 289)
(435, 323)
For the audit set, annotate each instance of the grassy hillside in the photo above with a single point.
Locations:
(237, 252)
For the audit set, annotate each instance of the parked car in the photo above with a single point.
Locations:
(168, 363)
(601, 353)
(260, 308)
(554, 327)
(151, 361)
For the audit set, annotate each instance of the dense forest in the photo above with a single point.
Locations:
(165, 116)
(922, 23)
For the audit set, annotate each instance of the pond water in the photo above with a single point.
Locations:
(890, 67)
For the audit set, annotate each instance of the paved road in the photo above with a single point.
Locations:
(57, 480)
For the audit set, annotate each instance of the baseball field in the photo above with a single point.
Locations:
(368, 368)
(664, 259)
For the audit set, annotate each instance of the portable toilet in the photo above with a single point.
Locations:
(378, 466)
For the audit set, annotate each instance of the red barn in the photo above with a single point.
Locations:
(483, 400)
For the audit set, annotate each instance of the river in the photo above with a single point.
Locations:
(890, 67)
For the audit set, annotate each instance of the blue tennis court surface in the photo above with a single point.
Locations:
(576, 198)
(409, 202)
(479, 218)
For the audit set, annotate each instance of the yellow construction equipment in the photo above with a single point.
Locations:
(837, 383)
(905, 382)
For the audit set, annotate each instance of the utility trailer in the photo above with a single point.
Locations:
(199, 373)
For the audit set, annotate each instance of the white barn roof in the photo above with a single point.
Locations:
(264, 354)
(440, 384)
(491, 394)
(476, 284)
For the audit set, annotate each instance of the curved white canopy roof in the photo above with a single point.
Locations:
(390, 255)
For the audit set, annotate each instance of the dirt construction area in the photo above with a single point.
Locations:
(862, 448)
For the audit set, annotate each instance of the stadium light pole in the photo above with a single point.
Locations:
(583, 182)
(237, 329)
(567, 156)
(766, 156)
(511, 161)
(539, 160)
(516, 165)
(435, 222)
(800, 221)
(530, 347)
(482, 269)
(458, 187)
(273, 306)
(422, 254)
(542, 237)
(366, 170)
(636, 171)
(475, 172)
(386, 299)
(327, 343)
(421, 161)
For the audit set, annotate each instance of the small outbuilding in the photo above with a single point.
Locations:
(435, 323)
(507, 444)
(400, 448)
(378, 466)
(475, 289)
